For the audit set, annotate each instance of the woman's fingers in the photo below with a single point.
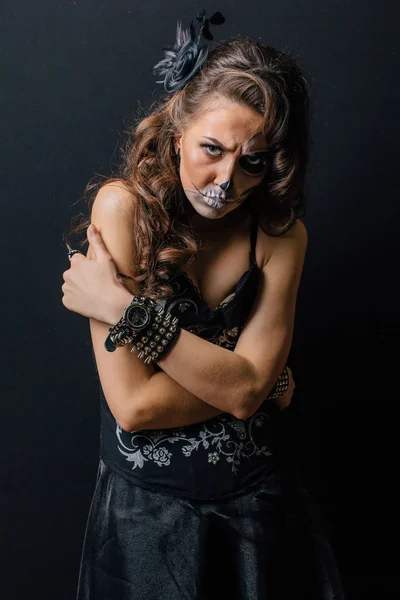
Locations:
(96, 242)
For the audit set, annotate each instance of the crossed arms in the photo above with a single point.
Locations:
(199, 380)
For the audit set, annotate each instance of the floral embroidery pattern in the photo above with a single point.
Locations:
(213, 457)
(230, 438)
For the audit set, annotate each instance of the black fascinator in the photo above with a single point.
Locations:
(185, 58)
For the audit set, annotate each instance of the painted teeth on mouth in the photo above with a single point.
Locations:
(214, 202)
(220, 198)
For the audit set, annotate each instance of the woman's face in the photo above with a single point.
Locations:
(237, 152)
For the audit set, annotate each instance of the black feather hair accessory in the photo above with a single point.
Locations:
(183, 60)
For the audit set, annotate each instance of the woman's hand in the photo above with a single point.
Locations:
(284, 401)
(92, 287)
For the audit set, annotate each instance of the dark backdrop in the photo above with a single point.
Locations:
(73, 73)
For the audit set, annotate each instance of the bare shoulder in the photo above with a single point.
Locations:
(294, 240)
(112, 215)
(296, 236)
(113, 196)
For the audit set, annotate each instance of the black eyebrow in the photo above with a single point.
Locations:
(215, 141)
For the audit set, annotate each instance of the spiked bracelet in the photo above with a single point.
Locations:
(151, 331)
(281, 386)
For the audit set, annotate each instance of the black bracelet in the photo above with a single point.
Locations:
(281, 386)
(150, 329)
(157, 340)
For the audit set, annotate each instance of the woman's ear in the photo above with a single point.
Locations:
(177, 144)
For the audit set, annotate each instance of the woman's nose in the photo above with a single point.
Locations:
(224, 176)
(226, 185)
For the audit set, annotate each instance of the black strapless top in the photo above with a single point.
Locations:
(217, 458)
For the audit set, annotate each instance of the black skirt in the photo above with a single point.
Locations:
(268, 543)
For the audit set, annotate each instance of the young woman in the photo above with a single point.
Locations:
(190, 285)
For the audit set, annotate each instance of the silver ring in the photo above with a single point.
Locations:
(72, 252)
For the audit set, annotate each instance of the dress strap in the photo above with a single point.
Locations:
(253, 237)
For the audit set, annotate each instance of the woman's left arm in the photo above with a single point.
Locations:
(237, 382)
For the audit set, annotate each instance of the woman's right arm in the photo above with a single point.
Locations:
(154, 400)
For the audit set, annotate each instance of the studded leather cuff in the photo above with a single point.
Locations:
(150, 329)
(157, 339)
(281, 386)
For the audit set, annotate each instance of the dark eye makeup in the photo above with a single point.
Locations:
(252, 163)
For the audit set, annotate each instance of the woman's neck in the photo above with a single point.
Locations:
(211, 227)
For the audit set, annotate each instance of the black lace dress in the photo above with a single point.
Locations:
(207, 511)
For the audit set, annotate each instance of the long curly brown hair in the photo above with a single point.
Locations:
(270, 81)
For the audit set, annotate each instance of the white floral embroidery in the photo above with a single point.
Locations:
(213, 457)
(229, 437)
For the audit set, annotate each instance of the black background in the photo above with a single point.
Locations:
(72, 74)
